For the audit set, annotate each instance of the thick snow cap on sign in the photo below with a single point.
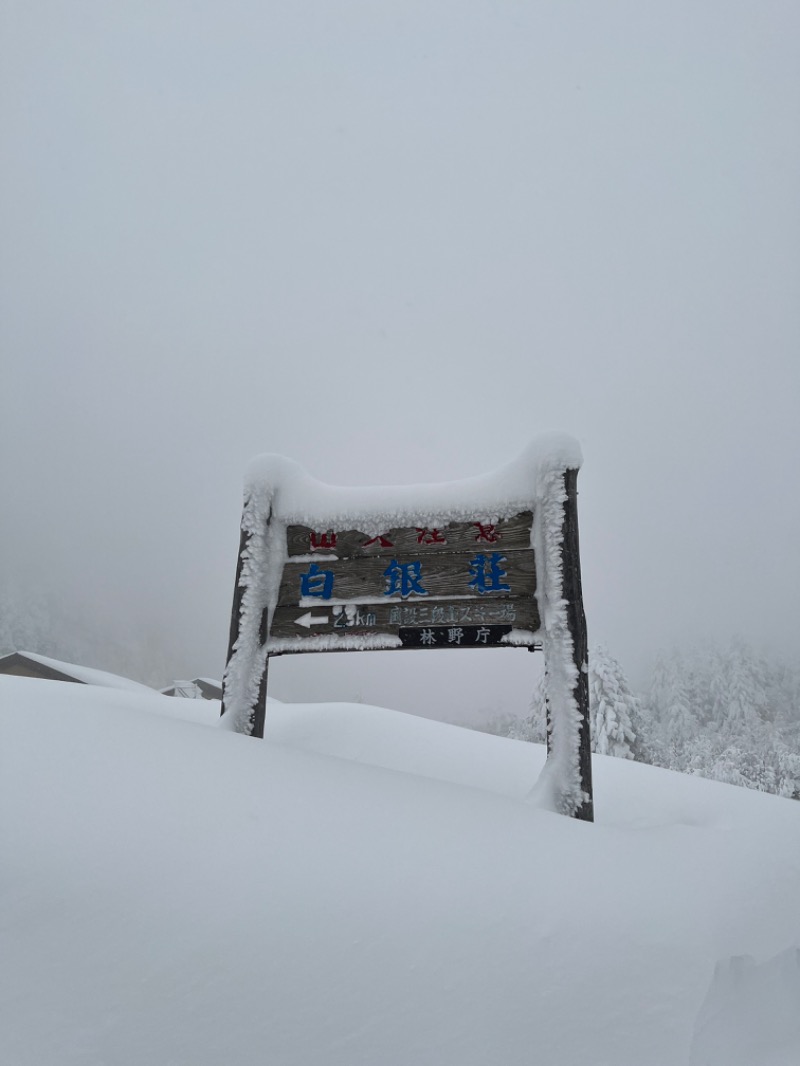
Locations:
(295, 497)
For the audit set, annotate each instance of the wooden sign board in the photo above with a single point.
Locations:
(403, 569)
(468, 584)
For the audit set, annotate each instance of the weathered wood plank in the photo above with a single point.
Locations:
(366, 619)
(508, 534)
(452, 574)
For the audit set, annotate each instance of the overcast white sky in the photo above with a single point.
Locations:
(395, 241)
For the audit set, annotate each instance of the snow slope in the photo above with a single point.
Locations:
(366, 888)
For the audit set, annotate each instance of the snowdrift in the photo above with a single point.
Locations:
(365, 887)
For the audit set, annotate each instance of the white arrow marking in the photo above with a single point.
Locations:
(308, 620)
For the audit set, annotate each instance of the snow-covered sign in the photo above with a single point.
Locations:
(487, 562)
(458, 585)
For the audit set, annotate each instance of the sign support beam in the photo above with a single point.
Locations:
(260, 709)
(258, 712)
(576, 620)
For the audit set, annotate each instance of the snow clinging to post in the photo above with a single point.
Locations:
(263, 557)
(559, 786)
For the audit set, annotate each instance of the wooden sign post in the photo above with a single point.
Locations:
(351, 577)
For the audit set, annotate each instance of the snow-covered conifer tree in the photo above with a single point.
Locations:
(612, 706)
(746, 695)
(615, 712)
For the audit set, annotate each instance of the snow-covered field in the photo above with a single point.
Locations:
(368, 888)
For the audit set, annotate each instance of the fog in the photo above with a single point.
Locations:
(395, 242)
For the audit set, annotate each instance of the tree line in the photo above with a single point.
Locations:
(728, 714)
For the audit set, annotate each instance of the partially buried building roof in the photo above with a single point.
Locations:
(202, 688)
(31, 664)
